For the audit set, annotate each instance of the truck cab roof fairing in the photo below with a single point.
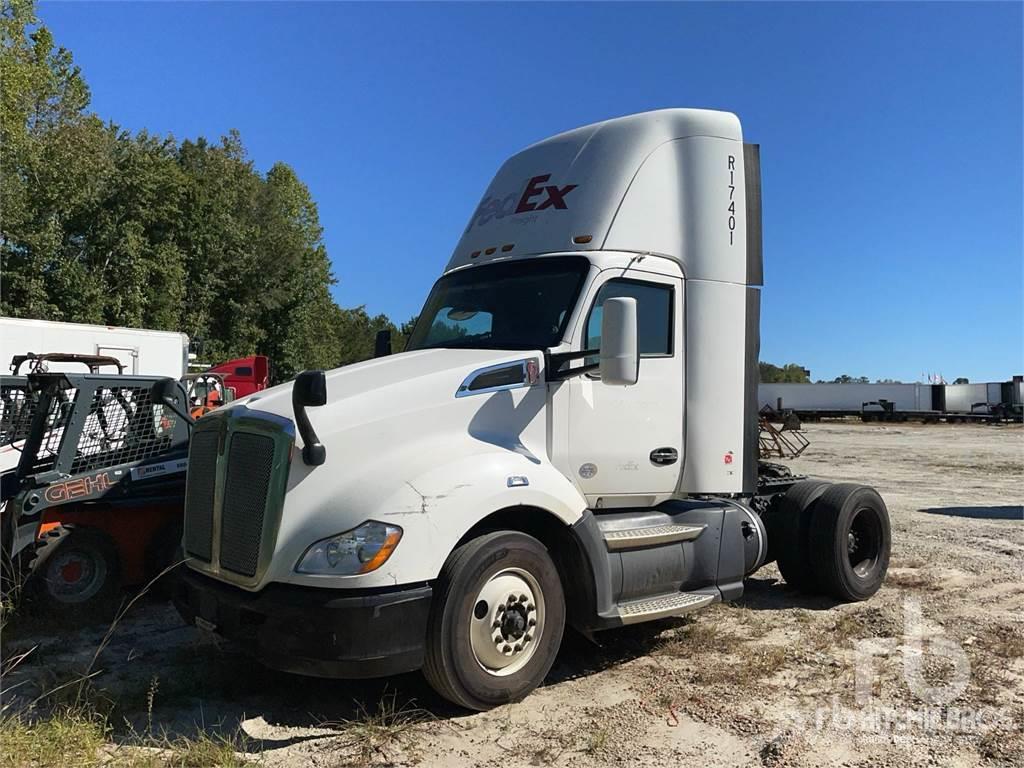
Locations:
(627, 184)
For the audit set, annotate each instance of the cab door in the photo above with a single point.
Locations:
(625, 444)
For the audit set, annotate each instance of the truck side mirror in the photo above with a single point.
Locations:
(382, 343)
(620, 360)
(309, 390)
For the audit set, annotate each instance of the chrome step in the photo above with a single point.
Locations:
(651, 536)
(650, 608)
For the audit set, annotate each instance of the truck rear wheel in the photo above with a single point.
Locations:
(496, 623)
(850, 541)
(796, 509)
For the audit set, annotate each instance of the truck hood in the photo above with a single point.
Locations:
(402, 382)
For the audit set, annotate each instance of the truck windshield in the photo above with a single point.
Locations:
(524, 304)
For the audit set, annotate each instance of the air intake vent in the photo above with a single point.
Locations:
(249, 468)
(199, 490)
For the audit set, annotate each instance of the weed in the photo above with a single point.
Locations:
(696, 638)
(596, 741)
(63, 740)
(387, 728)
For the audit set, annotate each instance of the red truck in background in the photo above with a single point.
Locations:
(245, 375)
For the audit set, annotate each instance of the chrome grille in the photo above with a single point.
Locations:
(199, 493)
(246, 487)
(238, 470)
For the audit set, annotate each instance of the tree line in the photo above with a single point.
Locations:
(102, 225)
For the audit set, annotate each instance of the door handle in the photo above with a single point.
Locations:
(664, 456)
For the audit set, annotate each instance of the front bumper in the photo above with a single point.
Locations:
(314, 631)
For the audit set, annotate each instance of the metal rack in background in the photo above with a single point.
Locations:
(782, 441)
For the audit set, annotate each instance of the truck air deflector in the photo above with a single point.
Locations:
(669, 182)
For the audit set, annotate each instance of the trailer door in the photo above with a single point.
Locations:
(129, 356)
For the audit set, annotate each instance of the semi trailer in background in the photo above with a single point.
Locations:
(992, 401)
(142, 352)
(570, 437)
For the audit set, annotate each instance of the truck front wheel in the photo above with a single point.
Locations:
(496, 623)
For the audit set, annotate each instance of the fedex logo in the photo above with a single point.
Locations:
(538, 196)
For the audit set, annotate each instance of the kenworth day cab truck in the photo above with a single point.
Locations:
(570, 437)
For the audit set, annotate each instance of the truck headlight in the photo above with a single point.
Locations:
(360, 550)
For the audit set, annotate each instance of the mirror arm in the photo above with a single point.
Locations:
(553, 361)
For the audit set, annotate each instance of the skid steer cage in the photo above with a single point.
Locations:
(86, 422)
(17, 407)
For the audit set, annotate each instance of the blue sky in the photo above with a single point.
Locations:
(891, 140)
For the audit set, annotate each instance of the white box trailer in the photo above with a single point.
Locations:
(843, 397)
(142, 352)
(960, 398)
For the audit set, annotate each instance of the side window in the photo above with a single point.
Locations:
(654, 315)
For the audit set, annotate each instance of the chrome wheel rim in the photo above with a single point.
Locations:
(507, 622)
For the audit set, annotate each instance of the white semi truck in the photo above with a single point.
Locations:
(569, 438)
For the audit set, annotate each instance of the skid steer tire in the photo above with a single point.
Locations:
(796, 509)
(74, 573)
(496, 622)
(850, 542)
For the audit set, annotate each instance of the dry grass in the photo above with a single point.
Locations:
(79, 739)
(597, 740)
(697, 638)
(919, 580)
(67, 725)
(65, 740)
(380, 733)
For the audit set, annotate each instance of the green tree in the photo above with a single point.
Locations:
(101, 225)
(789, 373)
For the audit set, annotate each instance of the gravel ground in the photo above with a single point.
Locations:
(930, 671)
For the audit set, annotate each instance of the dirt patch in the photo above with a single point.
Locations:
(770, 680)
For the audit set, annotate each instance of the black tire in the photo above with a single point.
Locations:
(792, 550)
(164, 550)
(11, 570)
(74, 570)
(450, 665)
(850, 541)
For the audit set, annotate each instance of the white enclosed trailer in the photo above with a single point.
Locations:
(843, 397)
(141, 352)
(570, 437)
